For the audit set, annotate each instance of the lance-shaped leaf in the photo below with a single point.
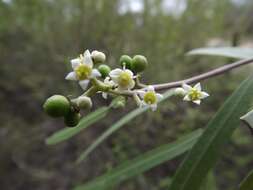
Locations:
(142, 163)
(117, 126)
(207, 150)
(87, 121)
(233, 52)
(209, 182)
(247, 182)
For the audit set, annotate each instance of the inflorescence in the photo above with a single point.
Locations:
(95, 77)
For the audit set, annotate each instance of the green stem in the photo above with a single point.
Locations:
(91, 91)
(138, 82)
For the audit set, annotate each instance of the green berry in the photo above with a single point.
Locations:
(72, 118)
(56, 106)
(126, 60)
(139, 63)
(104, 70)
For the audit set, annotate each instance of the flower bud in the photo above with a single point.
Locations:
(139, 63)
(104, 70)
(126, 60)
(56, 106)
(72, 118)
(84, 102)
(98, 57)
(119, 102)
(180, 91)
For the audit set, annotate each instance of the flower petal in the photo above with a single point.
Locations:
(197, 87)
(204, 95)
(142, 104)
(104, 95)
(84, 84)
(108, 81)
(75, 62)
(186, 87)
(129, 72)
(153, 107)
(159, 96)
(87, 58)
(197, 102)
(150, 88)
(131, 84)
(95, 73)
(141, 93)
(114, 74)
(187, 98)
(71, 76)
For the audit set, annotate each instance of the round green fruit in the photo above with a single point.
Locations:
(139, 63)
(126, 60)
(104, 70)
(56, 106)
(72, 118)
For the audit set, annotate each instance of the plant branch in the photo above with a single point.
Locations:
(138, 82)
(165, 86)
(203, 76)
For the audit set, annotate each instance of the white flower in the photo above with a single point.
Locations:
(83, 70)
(123, 78)
(194, 94)
(109, 82)
(149, 97)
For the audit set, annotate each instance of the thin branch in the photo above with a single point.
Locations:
(203, 76)
(195, 79)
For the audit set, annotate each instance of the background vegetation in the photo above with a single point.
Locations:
(37, 40)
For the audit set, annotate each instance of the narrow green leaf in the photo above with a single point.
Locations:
(207, 150)
(142, 163)
(233, 52)
(247, 182)
(117, 126)
(67, 133)
(210, 182)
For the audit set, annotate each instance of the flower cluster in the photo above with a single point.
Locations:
(94, 77)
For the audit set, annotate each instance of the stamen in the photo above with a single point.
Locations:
(83, 71)
(124, 79)
(150, 98)
(195, 95)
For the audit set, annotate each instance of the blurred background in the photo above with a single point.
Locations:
(39, 37)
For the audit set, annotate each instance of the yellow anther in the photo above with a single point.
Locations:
(83, 71)
(150, 98)
(124, 79)
(194, 95)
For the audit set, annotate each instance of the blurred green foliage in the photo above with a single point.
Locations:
(37, 40)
